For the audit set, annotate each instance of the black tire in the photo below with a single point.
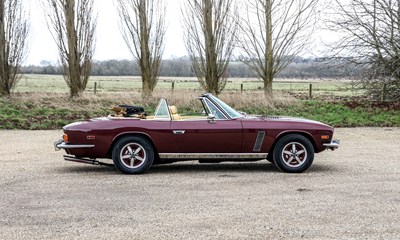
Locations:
(293, 153)
(270, 158)
(133, 155)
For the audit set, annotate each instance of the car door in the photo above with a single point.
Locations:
(217, 134)
(208, 136)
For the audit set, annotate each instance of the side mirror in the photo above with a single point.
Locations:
(211, 118)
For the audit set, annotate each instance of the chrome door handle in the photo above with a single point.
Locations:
(178, 131)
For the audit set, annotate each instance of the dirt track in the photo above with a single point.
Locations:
(351, 193)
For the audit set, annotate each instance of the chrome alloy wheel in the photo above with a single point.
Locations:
(294, 154)
(133, 155)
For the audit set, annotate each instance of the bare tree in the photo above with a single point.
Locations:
(73, 25)
(13, 35)
(210, 27)
(370, 31)
(273, 32)
(143, 28)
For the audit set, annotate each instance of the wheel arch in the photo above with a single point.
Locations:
(132, 134)
(283, 134)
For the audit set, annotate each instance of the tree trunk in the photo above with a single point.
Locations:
(73, 58)
(3, 60)
(211, 71)
(210, 27)
(147, 91)
(269, 43)
(75, 92)
(73, 27)
(213, 92)
(268, 88)
(269, 53)
(144, 51)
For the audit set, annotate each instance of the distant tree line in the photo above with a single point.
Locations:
(181, 67)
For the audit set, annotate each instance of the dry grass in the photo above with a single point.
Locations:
(54, 110)
(257, 99)
(184, 99)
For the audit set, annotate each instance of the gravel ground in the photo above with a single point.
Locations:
(351, 193)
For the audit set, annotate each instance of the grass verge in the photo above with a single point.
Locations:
(52, 111)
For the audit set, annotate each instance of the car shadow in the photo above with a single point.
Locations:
(185, 167)
(231, 167)
(213, 167)
(87, 168)
(323, 168)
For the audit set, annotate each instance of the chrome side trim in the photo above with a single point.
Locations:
(64, 145)
(212, 155)
(259, 141)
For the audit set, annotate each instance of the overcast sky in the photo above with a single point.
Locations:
(109, 42)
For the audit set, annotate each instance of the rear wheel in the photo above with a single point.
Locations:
(293, 153)
(133, 155)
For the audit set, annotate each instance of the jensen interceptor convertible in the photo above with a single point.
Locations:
(218, 133)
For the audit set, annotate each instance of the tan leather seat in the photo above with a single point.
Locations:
(174, 113)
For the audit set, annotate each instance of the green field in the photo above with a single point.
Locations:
(56, 84)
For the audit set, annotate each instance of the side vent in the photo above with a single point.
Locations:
(259, 141)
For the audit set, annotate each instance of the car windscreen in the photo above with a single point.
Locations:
(212, 109)
(229, 110)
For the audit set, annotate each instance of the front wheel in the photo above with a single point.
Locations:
(293, 153)
(133, 155)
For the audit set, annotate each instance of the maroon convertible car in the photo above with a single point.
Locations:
(218, 133)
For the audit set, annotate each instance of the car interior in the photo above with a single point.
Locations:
(164, 111)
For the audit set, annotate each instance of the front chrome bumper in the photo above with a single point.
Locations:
(60, 144)
(332, 145)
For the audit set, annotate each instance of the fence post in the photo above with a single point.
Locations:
(95, 87)
(241, 88)
(383, 96)
(310, 92)
(173, 86)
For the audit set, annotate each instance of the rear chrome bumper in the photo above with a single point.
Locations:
(332, 145)
(60, 144)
